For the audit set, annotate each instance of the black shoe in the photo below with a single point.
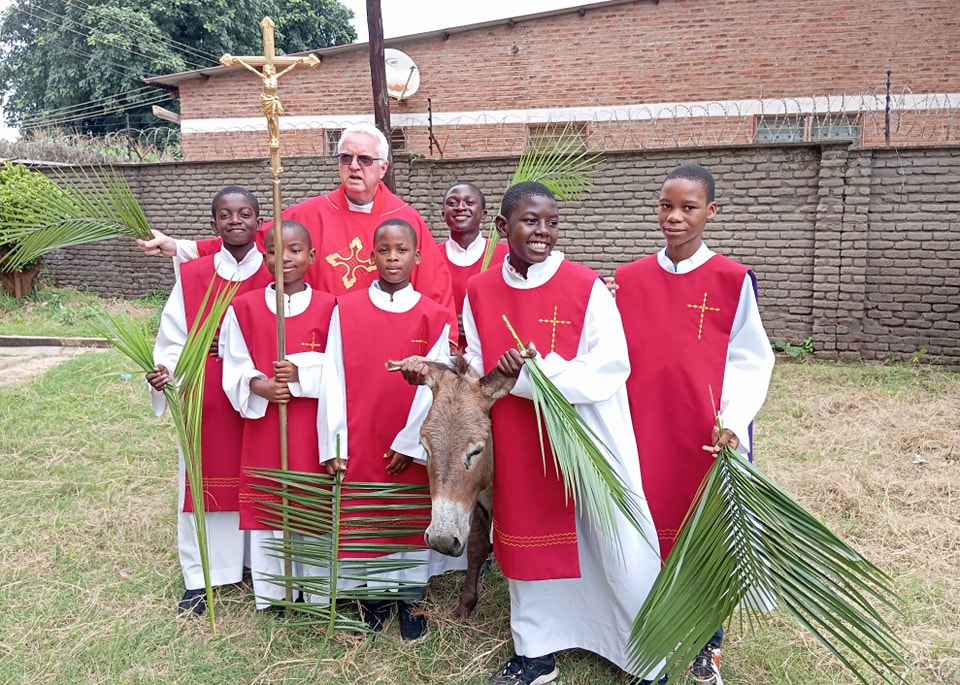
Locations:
(705, 669)
(521, 670)
(413, 624)
(375, 613)
(662, 681)
(194, 601)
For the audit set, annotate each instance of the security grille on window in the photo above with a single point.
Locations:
(332, 138)
(398, 139)
(799, 128)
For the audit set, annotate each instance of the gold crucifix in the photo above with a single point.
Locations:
(553, 329)
(270, 98)
(272, 109)
(703, 309)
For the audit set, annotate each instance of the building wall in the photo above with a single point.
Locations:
(659, 55)
(857, 249)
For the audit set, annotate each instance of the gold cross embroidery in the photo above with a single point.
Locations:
(313, 344)
(422, 343)
(353, 262)
(703, 308)
(553, 331)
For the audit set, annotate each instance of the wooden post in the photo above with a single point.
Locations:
(378, 79)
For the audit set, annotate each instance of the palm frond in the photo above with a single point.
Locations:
(581, 457)
(564, 165)
(184, 396)
(327, 525)
(91, 206)
(747, 542)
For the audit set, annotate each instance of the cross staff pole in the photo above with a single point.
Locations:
(272, 110)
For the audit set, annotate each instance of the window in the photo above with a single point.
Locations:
(332, 137)
(572, 136)
(799, 128)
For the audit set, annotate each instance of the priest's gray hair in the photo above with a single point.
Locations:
(383, 147)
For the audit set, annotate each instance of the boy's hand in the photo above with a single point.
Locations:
(511, 361)
(159, 378)
(271, 389)
(720, 440)
(415, 372)
(160, 245)
(286, 372)
(335, 465)
(612, 285)
(398, 462)
(215, 345)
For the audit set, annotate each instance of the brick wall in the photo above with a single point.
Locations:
(629, 53)
(858, 249)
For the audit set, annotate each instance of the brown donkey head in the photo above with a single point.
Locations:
(456, 435)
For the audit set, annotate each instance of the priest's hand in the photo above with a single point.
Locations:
(159, 378)
(271, 389)
(161, 244)
(720, 440)
(286, 371)
(398, 462)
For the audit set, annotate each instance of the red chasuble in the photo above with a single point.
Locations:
(534, 525)
(344, 240)
(378, 402)
(305, 332)
(678, 330)
(459, 275)
(220, 425)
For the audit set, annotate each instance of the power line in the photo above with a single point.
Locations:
(78, 107)
(104, 111)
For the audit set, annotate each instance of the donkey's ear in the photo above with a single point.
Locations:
(496, 384)
(419, 370)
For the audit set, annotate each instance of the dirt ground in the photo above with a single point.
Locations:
(19, 364)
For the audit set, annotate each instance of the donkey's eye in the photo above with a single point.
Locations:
(475, 452)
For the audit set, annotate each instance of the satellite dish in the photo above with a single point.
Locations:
(403, 77)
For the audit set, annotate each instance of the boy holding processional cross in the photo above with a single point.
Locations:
(236, 218)
(569, 585)
(256, 384)
(365, 411)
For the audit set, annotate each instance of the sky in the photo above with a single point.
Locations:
(403, 17)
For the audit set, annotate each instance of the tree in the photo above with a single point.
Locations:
(79, 64)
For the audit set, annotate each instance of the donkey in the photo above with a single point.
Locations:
(456, 435)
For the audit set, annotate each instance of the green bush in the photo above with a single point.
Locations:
(17, 182)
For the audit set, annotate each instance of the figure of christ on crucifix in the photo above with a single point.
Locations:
(270, 98)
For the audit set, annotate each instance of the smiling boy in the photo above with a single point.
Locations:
(236, 218)
(570, 587)
(692, 326)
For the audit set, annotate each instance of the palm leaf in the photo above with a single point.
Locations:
(91, 206)
(581, 457)
(184, 396)
(747, 541)
(565, 166)
(325, 518)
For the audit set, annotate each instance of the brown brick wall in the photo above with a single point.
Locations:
(640, 52)
(858, 249)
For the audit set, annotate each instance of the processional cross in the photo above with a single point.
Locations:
(272, 109)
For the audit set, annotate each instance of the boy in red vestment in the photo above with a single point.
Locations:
(256, 384)
(236, 218)
(464, 209)
(692, 325)
(369, 409)
(570, 587)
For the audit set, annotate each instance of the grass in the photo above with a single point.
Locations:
(89, 576)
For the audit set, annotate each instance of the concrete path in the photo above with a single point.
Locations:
(23, 357)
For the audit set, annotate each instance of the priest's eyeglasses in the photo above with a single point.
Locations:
(346, 159)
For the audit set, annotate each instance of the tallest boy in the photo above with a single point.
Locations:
(341, 224)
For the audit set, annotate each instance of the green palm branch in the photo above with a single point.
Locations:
(93, 205)
(748, 542)
(325, 518)
(564, 165)
(581, 457)
(184, 396)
